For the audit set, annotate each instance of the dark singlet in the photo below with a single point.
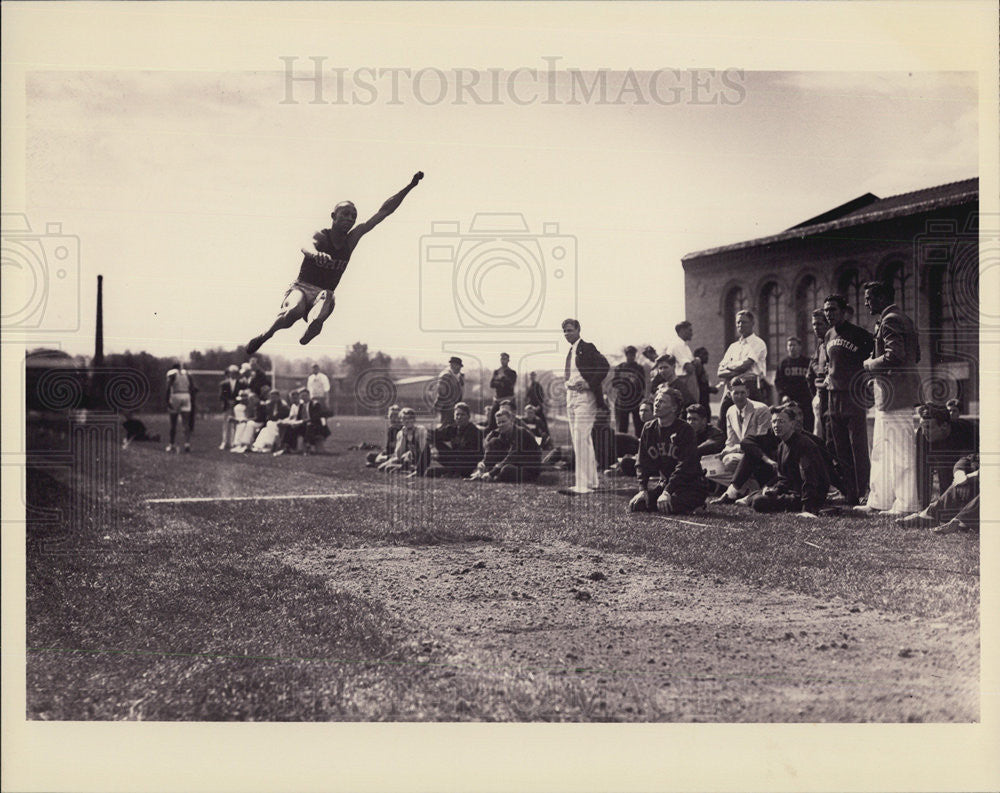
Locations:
(325, 275)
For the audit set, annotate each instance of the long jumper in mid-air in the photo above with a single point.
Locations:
(310, 297)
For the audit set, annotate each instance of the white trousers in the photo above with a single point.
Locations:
(893, 485)
(581, 410)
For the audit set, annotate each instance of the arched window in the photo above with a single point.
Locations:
(772, 321)
(941, 314)
(850, 284)
(808, 298)
(736, 300)
(894, 273)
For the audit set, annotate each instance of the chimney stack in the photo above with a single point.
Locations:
(99, 332)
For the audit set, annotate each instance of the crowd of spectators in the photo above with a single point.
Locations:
(799, 444)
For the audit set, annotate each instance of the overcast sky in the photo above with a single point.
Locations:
(192, 192)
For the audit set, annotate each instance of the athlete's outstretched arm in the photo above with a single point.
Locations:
(390, 206)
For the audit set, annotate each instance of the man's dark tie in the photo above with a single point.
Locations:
(569, 358)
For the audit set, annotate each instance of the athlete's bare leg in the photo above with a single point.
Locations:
(293, 308)
(321, 311)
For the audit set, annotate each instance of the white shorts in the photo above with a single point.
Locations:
(179, 403)
(310, 292)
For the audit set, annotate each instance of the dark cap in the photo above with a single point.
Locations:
(455, 359)
(630, 350)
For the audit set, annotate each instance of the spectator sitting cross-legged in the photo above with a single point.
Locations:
(247, 412)
(511, 454)
(957, 508)
(292, 427)
(275, 410)
(941, 442)
(412, 453)
(669, 472)
(744, 417)
(536, 424)
(459, 445)
(802, 483)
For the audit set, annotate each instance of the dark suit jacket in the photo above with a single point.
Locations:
(228, 393)
(594, 368)
(895, 359)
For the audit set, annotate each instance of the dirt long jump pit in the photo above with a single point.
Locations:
(628, 638)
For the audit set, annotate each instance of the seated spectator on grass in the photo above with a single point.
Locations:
(292, 427)
(957, 508)
(459, 445)
(802, 483)
(135, 430)
(709, 438)
(275, 410)
(756, 468)
(536, 424)
(394, 425)
(759, 466)
(249, 420)
(510, 452)
(316, 430)
(629, 455)
(744, 417)
(941, 442)
(412, 453)
(669, 472)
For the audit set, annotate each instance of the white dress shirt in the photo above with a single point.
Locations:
(752, 347)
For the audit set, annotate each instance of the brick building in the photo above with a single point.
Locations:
(925, 242)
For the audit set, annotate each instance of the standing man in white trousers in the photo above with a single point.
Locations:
(893, 365)
(585, 371)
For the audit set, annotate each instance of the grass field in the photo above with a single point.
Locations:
(446, 600)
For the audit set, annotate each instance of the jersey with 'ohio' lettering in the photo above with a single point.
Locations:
(325, 275)
(671, 453)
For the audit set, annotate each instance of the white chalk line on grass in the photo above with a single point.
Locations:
(688, 522)
(207, 499)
